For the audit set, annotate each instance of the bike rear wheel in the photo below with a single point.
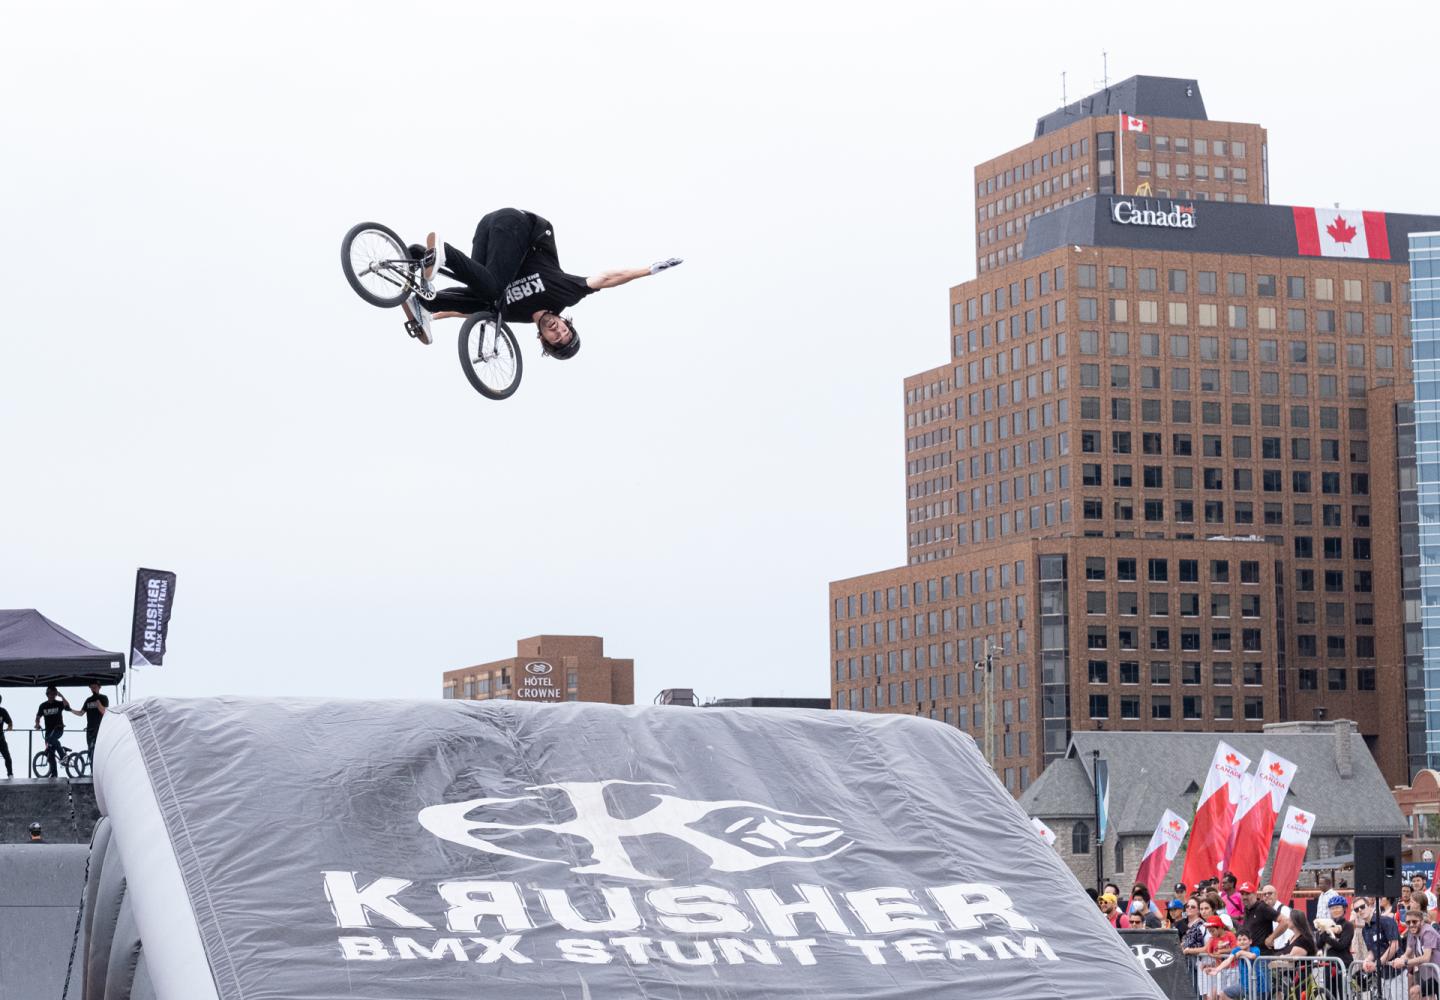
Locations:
(77, 764)
(376, 263)
(490, 356)
(40, 766)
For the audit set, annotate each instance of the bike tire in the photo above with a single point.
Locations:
(499, 376)
(77, 764)
(39, 766)
(380, 236)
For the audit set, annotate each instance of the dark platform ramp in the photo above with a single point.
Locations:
(40, 887)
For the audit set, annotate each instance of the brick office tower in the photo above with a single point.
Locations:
(548, 668)
(1161, 473)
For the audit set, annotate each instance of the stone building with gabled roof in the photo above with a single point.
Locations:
(1335, 777)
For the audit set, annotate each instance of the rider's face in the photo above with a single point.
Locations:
(554, 329)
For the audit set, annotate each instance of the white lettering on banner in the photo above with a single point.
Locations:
(710, 919)
(691, 951)
(156, 592)
(1123, 211)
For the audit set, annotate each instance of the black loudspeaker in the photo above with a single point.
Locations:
(1377, 866)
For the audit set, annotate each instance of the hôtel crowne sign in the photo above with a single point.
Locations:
(1129, 213)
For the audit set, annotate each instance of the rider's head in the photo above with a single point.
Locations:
(558, 337)
(52, 691)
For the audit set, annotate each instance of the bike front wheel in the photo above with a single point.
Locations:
(77, 764)
(490, 356)
(40, 765)
(376, 263)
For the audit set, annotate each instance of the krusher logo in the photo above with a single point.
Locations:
(1123, 211)
(735, 834)
(487, 921)
(1151, 957)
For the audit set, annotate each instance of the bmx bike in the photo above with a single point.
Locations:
(379, 267)
(75, 762)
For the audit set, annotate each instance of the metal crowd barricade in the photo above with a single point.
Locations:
(1389, 983)
(1282, 977)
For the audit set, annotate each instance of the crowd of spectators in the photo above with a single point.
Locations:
(1225, 928)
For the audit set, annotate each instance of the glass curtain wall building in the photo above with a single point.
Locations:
(1425, 337)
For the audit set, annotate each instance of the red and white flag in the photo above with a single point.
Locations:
(1160, 855)
(1255, 822)
(1214, 815)
(1046, 834)
(1133, 124)
(1341, 232)
(1294, 838)
(1247, 782)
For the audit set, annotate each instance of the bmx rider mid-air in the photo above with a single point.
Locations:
(513, 261)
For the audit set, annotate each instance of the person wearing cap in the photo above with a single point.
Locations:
(1219, 943)
(1141, 903)
(36, 835)
(1110, 908)
(1176, 917)
(1260, 920)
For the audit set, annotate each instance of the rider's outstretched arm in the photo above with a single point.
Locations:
(609, 279)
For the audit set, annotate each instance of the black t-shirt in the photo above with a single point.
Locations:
(5, 720)
(91, 709)
(1259, 923)
(540, 284)
(52, 710)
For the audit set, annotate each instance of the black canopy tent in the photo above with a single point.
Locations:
(35, 652)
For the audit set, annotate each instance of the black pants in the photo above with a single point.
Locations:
(502, 240)
(5, 752)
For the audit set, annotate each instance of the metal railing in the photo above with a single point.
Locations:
(1385, 982)
(1281, 977)
(23, 760)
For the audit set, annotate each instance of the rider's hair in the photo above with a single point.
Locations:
(560, 352)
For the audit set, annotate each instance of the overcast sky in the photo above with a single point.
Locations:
(187, 382)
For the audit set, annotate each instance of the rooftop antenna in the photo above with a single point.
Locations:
(1105, 68)
(1063, 99)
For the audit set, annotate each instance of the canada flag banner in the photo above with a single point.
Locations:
(1255, 821)
(1160, 855)
(1214, 815)
(1046, 834)
(1294, 838)
(1341, 232)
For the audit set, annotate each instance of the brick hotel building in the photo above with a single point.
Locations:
(1163, 472)
(547, 669)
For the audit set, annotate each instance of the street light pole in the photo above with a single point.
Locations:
(988, 665)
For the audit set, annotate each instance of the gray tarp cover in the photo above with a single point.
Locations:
(504, 850)
(34, 651)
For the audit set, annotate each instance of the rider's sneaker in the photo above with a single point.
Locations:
(417, 319)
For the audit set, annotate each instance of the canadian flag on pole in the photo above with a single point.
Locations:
(1294, 838)
(1341, 232)
(1214, 814)
(1133, 124)
(1160, 855)
(1046, 834)
(1255, 822)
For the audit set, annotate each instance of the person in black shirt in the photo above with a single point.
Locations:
(6, 723)
(513, 261)
(52, 710)
(94, 710)
(1261, 920)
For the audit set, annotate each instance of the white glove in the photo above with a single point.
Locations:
(661, 265)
